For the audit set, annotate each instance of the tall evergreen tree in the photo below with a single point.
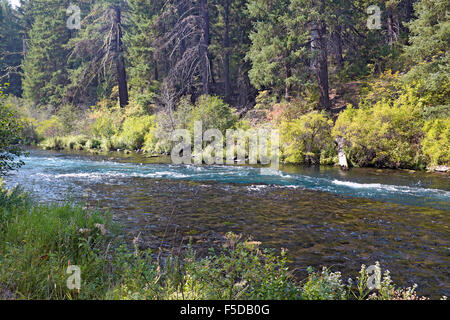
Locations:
(278, 48)
(428, 53)
(230, 29)
(10, 48)
(144, 65)
(45, 69)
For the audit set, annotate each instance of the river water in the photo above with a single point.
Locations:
(323, 216)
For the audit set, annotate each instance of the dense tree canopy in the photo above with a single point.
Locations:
(274, 61)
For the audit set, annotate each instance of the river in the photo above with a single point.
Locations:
(322, 215)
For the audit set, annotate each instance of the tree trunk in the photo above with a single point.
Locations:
(287, 88)
(204, 42)
(337, 44)
(227, 52)
(156, 73)
(343, 163)
(320, 63)
(391, 29)
(120, 60)
(25, 47)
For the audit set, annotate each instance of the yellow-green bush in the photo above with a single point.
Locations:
(158, 140)
(104, 127)
(135, 129)
(75, 142)
(93, 143)
(49, 128)
(107, 120)
(214, 113)
(151, 143)
(304, 139)
(436, 144)
(387, 134)
(210, 110)
(68, 117)
(52, 143)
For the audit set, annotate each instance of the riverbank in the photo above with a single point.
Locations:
(94, 146)
(389, 134)
(39, 242)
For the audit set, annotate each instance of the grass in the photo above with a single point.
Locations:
(39, 241)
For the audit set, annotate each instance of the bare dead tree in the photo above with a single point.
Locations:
(101, 50)
(186, 44)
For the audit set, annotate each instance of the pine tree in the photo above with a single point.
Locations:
(428, 53)
(45, 69)
(144, 68)
(278, 48)
(230, 29)
(10, 49)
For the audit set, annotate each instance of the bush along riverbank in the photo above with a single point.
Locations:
(39, 242)
(390, 127)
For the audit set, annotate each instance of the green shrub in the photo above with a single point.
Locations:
(159, 140)
(93, 144)
(135, 129)
(68, 118)
(326, 285)
(11, 132)
(11, 198)
(50, 128)
(154, 145)
(53, 143)
(214, 113)
(436, 144)
(104, 127)
(242, 271)
(107, 120)
(304, 139)
(387, 134)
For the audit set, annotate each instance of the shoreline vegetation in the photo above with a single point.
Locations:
(39, 241)
(392, 134)
(331, 86)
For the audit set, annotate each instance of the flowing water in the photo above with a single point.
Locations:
(323, 216)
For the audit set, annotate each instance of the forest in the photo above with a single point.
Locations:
(92, 90)
(329, 75)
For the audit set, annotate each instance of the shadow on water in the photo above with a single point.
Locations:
(318, 228)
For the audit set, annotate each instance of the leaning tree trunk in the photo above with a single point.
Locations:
(120, 60)
(319, 63)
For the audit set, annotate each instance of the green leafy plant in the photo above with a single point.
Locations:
(436, 144)
(11, 130)
(304, 139)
